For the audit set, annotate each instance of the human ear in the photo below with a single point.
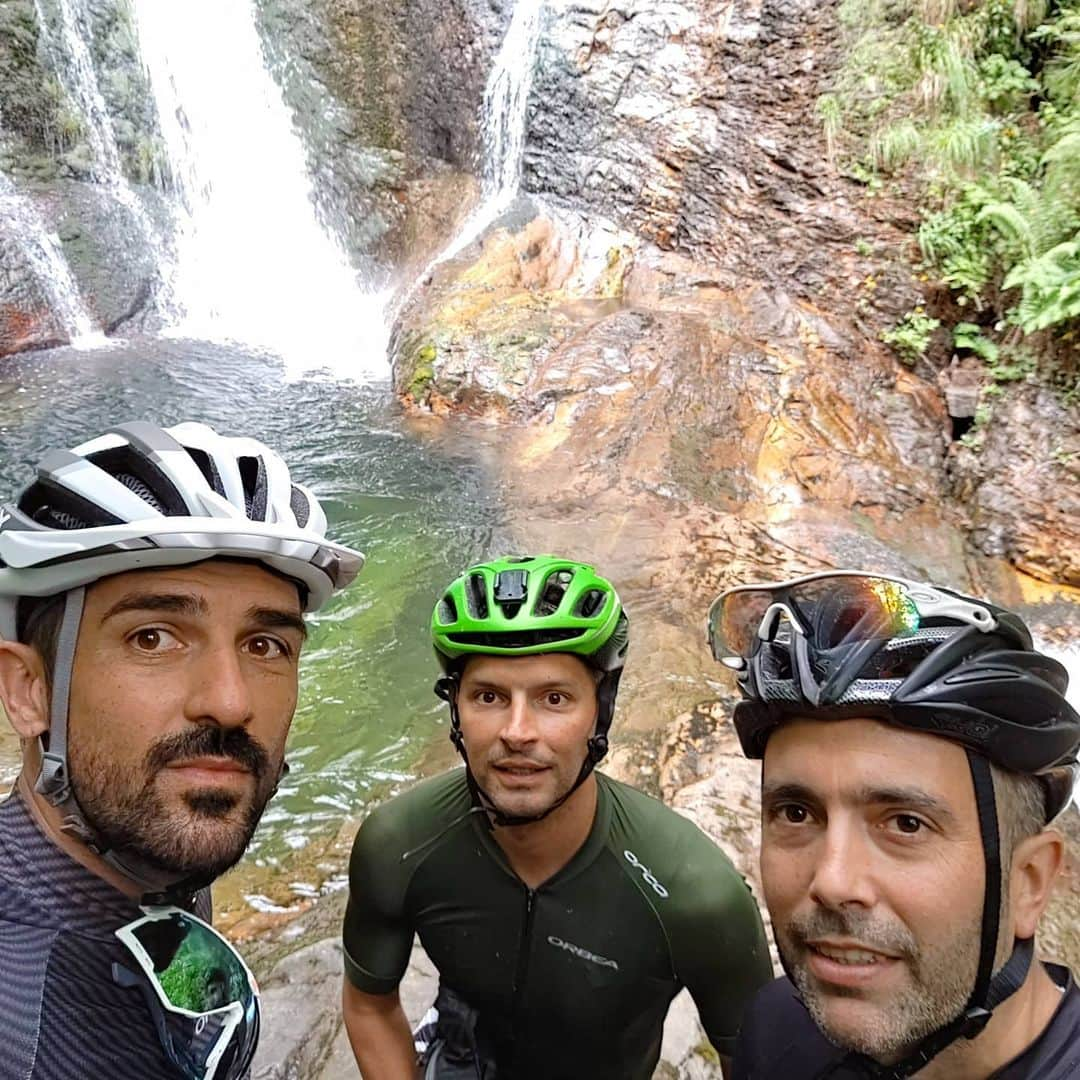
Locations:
(24, 689)
(1035, 865)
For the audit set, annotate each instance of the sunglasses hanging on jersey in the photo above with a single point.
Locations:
(203, 998)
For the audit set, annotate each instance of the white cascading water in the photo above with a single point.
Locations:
(503, 121)
(42, 251)
(66, 40)
(254, 263)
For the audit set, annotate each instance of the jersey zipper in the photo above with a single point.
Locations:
(522, 971)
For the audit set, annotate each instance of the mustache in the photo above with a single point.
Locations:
(873, 932)
(209, 741)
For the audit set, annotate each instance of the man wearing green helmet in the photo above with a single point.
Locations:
(563, 910)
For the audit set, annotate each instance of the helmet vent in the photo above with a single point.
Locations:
(139, 474)
(49, 504)
(590, 603)
(447, 611)
(554, 590)
(133, 483)
(207, 467)
(476, 595)
(301, 508)
(253, 477)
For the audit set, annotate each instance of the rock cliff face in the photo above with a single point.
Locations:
(695, 292)
(387, 97)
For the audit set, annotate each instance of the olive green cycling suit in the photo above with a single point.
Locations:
(572, 979)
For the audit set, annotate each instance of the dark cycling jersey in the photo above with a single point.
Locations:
(573, 978)
(64, 1016)
(780, 1041)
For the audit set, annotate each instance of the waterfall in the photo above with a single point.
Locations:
(42, 251)
(66, 39)
(505, 99)
(254, 263)
(503, 120)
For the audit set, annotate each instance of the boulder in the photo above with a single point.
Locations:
(27, 320)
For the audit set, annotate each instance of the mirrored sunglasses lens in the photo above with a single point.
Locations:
(195, 968)
(845, 610)
(738, 620)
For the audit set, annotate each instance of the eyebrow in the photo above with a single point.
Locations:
(493, 684)
(913, 798)
(175, 603)
(278, 619)
(196, 607)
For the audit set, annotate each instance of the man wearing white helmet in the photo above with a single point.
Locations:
(152, 590)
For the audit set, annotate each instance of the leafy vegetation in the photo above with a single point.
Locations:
(978, 103)
(911, 337)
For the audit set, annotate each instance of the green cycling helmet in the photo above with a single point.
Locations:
(521, 606)
(524, 605)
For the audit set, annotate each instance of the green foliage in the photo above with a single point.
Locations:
(957, 242)
(1005, 84)
(911, 336)
(979, 100)
(1050, 287)
(832, 119)
(970, 337)
(973, 437)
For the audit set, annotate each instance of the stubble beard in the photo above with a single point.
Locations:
(203, 833)
(939, 986)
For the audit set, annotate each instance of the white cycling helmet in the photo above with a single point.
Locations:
(142, 496)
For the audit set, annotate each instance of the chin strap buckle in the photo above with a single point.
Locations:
(974, 1021)
(52, 781)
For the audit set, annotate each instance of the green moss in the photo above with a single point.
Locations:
(423, 370)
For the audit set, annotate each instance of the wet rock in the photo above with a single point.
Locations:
(105, 246)
(29, 99)
(27, 320)
(1021, 476)
(388, 100)
(693, 124)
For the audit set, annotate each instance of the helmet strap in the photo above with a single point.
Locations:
(848, 664)
(54, 779)
(597, 747)
(990, 990)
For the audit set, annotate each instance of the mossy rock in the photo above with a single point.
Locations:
(423, 371)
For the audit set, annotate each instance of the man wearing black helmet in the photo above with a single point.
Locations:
(562, 909)
(152, 589)
(914, 748)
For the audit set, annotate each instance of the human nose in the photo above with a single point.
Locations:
(219, 691)
(520, 727)
(842, 871)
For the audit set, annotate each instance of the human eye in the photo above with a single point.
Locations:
(153, 639)
(555, 698)
(486, 697)
(788, 814)
(907, 825)
(265, 647)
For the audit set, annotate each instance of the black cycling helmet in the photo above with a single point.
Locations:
(924, 658)
(991, 692)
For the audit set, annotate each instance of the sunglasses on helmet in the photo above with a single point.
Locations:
(830, 609)
(203, 997)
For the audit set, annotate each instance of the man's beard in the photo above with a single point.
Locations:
(941, 980)
(130, 815)
(512, 804)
